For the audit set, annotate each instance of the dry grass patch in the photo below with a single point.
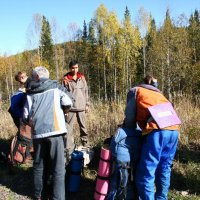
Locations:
(189, 112)
(102, 121)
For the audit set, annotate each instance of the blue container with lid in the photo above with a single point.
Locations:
(75, 167)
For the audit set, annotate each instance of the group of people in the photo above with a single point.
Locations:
(48, 105)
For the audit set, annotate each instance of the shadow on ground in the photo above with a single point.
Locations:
(19, 178)
(189, 153)
(186, 177)
(86, 190)
(16, 178)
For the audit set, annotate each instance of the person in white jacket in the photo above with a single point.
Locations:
(44, 113)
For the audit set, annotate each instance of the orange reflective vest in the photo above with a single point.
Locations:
(144, 99)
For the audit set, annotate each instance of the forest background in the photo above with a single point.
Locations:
(115, 56)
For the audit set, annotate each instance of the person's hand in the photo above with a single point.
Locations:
(65, 81)
(86, 109)
(66, 109)
(154, 80)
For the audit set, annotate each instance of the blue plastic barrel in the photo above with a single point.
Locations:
(76, 164)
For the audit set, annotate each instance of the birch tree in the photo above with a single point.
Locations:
(143, 22)
(33, 35)
(130, 44)
(100, 19)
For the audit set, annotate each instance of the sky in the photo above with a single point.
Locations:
(16, 17)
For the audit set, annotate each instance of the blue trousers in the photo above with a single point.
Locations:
(119, 180)
(49, 168)
(154, 167)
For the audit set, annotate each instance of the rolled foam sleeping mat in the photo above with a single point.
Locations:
(102, 183)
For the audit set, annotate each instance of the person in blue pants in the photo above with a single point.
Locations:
(159, 144)
(157, 154)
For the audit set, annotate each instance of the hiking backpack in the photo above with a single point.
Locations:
(125, 147)
(21, 146)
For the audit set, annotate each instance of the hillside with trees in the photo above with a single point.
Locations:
(116, 55)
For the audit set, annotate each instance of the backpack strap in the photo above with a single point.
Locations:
(102, 178)
(20, 149)
(100, 193)
(124, 165)
(105, 160)
(117, 143)
(123, 177)
(128, 136)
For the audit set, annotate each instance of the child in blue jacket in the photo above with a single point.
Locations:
(18, 99)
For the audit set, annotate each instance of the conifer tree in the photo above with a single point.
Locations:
(151, 40)
(129, 45)
(93, 61)
(91, 32)
(85, 34)
(84, 46)
(46, 45)
(151, 35)
(194, 41)
(83, 51)
(127, 15)
(194, 32)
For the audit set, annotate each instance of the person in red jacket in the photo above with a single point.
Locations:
(76, 84)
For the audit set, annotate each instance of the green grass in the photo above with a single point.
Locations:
(176, 195)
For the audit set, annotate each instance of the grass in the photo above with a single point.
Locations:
(102, 121)
(176, 195)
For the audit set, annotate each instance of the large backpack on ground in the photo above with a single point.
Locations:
(21, 146)
(125, 148)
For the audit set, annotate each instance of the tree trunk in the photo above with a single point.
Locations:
(56, 63)
(39, 55)
(127, 72)
(162, 77)
(105, 83)
(168, 77)
(7, 88)
(99, 83)
(124, 76)
(104, 76)
(115, 79)
(144, 56)
(11, 79)
(129, 78)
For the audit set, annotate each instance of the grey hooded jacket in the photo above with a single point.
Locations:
(43, 108)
